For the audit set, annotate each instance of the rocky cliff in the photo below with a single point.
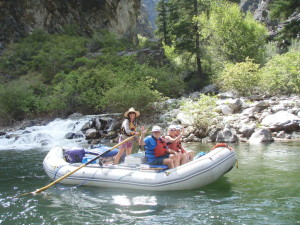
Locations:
(20, 17)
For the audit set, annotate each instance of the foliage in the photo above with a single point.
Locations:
(162, 22)
(106, 40)
(57, 55)
(16, 101)
(283, 9)
(43, 53)
(281, 75)
(240, 77)
(177, 27)
(121, 96)
(201, 110)
(232, 35)
(111, 82)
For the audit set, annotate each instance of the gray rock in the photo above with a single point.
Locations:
(281, 120)
(227, 135)
(92, 134)
(69, 135)
(261, 135)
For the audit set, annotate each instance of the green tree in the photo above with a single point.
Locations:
(232, 35)
(281, 74)
(185, 31)
(162, 22)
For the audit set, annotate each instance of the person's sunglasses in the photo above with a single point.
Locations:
(173, 130)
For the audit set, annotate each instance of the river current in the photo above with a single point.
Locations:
(264, 189)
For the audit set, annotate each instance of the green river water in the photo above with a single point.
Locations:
(264, 189)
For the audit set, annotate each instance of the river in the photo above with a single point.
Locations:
(264, 189)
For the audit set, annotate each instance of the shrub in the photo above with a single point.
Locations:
(281, 75)
(16, 101)
(240, 77)
(201, 110)
(122, 96)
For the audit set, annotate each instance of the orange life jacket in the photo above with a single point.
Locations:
(161, 147)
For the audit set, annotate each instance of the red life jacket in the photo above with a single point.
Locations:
(174, 146)
(161, 147)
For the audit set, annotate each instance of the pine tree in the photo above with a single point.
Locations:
(162, 22)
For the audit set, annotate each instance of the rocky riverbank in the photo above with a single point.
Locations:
(255, 119)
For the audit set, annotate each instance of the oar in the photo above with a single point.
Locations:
(70, 173)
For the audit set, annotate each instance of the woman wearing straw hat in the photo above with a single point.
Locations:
(128, 129)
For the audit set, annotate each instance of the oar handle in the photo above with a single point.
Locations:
(83, 165)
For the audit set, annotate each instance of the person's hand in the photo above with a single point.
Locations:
(182, 131)
(143, 130)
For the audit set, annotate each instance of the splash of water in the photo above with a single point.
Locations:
(47, 136)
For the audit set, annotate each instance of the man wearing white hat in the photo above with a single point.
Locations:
(156, 149)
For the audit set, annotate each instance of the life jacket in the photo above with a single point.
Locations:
(174, 146)
(179, 146)
(132, 127)
(161, 147)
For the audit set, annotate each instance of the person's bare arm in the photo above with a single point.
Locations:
(143, 132)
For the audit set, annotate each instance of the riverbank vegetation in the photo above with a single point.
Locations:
(58, 74)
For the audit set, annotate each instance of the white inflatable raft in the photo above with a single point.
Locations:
(195, 174)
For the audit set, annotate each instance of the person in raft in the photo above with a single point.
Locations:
(156, 149)
(173, 142)
(128, 129)
(190, 154)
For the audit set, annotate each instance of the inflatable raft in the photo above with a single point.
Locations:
(195, 174)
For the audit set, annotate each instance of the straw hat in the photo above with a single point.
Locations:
(132, 110)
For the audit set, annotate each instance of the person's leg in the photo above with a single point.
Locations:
(119, 155)
(128, 148)
(168, 162)
(191, 155)
(175, 159)
(183, 158)
(128, 151)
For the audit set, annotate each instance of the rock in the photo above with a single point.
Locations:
(92, 134)
(236, 105)
(281, 120)
(281, 134)
(227, 135)
(69, 135)
(78, 135)
(261, 135)
(87, 125)
(226, 110)
(247, 130)
(185, 119)
(213, 132)
(210, 89)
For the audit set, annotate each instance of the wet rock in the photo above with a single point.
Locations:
(69, 135)
(92, 134)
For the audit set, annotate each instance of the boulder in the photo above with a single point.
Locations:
(261, 135)
(92, 134)
(228, 134)
(282, 120)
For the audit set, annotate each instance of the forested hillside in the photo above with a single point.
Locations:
(58, 72)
